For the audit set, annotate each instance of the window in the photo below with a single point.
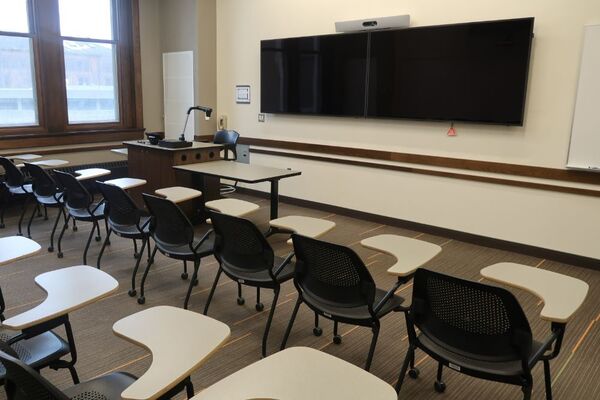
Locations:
(89, 52)
(17, 74)
(68, 67)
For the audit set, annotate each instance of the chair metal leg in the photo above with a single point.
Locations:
(337, 339)
(23, 210)
(135, 249)
(439, 384)
(288, 330)
(87, 245)
(37, 208)
(189, 388)
(103, 247)
(548, 379)
(410, 354)
(212, 291)
(191, 286)
(259, 306)
(29, 223)
(74, 225)
(97, 226)
(240, 299)
(45, 213)
(373, 344)
(142, 298)
(526, 389)
(62, 232)
(132, 292)
(268, 327)
(106, 230)
(58, 215)
(317, 330)
(184, 274)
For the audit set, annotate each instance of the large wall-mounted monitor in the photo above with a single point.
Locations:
(474, 72)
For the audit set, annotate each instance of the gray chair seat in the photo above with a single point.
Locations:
(108, 387)
(185, 253)
(504, 368)
(262, 276)
(38, 351)
(131, 231)
(355, 314)
(84, 215)
(18, 190)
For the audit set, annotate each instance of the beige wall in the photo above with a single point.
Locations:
(558, 221)
(178, 25)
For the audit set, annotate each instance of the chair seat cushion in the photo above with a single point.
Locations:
(38, 351)
(262, 276)
(353, 314)
(107, 387)
(50, 200)
(504, 368)
(17, 190)
(131, 231)
(184, 252)
(84, 215)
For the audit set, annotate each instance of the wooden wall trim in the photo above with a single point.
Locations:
(534, 251)
(66, 138)
(444, 174)
(573, 176)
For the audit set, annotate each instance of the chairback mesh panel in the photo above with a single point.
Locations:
(23, 383)
(472, 318)
(333, 273)
(120, 207)
(170, 225)
(477, 311)
(76, 196)
(240, 244)
(91, 395)
(12, 175)
(43, 184)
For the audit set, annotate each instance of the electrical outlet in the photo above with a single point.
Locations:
(261, 117)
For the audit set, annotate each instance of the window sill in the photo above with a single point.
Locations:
(42, 139)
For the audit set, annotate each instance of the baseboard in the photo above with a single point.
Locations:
(534, 251)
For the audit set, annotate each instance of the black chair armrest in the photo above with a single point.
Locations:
(285, 262)
(553, 341)
(95, 208)
(387, 296)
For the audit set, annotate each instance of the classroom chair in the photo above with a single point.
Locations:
(228, 139)
(245, 256)
(333, 281)
(475, 329)
(17, 187)
(173, 235)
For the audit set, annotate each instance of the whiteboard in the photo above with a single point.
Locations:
(178, 84)
(584, 151)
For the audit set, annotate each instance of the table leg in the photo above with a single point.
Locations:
(274, 199)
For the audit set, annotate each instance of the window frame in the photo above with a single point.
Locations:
(32, 35)
(48, 52)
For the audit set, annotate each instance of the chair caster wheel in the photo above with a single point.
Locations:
(141, 300)
(136, 255)
(98, 238)
(414, 373)
(259, 306)
(241, 301)
(19, 234)
(50, 249)
(337, 339)
(317, 331)
(439, 386)
(108, 243)
(28, 236)
(184, 275)
(75, 229)
(196, 282)
(60, 254)
(132, 292)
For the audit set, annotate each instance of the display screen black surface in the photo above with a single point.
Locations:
(463, 72)
(323, 75)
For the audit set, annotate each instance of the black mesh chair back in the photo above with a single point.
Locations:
(43, 184)
(239, 244)
(332, 273)
(76, 195)
(479, 321)
(120, 208)
(228, 139)
(12, 176)
(24, 383)
(169, 226)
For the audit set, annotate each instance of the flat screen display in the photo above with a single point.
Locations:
(323, 75)
(465, 72)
